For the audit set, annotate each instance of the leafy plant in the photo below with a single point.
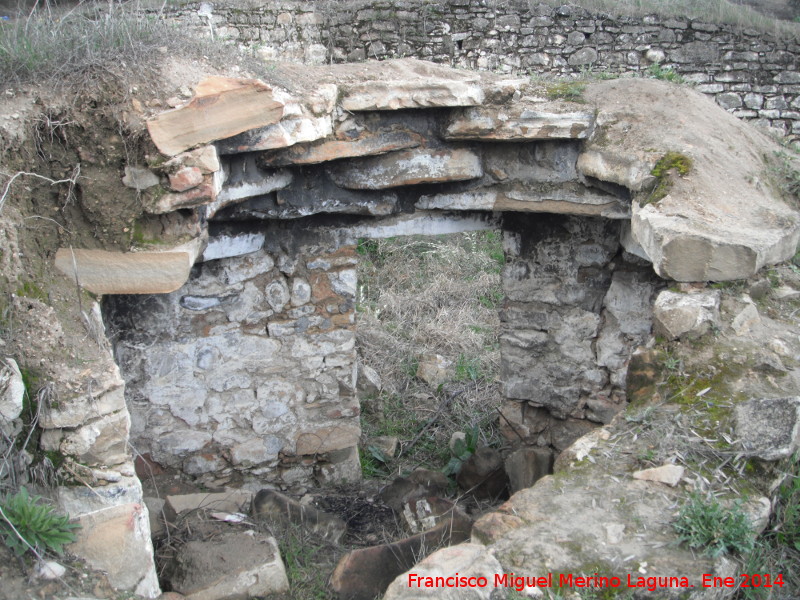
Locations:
(664, 73)
(707, 525)
(462, 450)
(566, 90)
(37, 524)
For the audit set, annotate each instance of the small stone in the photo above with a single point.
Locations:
(139, 178)
(746, 320)
(434, 369)
(677, 315)
(387, 444)
(50, 570)
(185, 179)
(668, 474)
(12, 391)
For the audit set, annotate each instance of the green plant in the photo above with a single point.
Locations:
(468, 368)
(707, 525)
(565, 90)
(784, 170)
(664, 73)
(670, 165)
(374, 462)
(27, 524)
(462, 450)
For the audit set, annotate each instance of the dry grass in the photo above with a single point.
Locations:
(434, 295)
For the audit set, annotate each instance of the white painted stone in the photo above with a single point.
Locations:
(228, 246)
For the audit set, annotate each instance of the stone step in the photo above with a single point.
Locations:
(105, 272)
(221, 108)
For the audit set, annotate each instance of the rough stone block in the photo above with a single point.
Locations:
(327, 439)
(232, 565)
(101, 442)
(769, 428)
(525, 466)
(12, 391)
(286, 133)
(517, 122)
(221, 108)
(691, 315)
(408, 167)
(468, 560)
(117, 540)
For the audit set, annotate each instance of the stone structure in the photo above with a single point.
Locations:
(247, 372)
(754, 75)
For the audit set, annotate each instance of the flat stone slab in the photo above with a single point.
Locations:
(566, 199)
(718, 221)
(364, 144)
(232, 565)
(244, 179)
(286, 133)
(517, 122)
(407, 167)
(104, 272)
(232, 502)
(407, 83)
(221, 107)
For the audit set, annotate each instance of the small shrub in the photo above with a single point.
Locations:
(664, 74)
(39, 525)
(783, 169)
(708, 526)
(566, 90)
(462, 450)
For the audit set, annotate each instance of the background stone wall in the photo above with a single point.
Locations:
(752, 74)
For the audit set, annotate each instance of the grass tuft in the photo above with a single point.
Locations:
(706, 525)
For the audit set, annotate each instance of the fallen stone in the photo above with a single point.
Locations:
(367, 380)
(185, 178)
(407, 167)
(221, 108)
(366, 573)
(420, 483)
(768, 428)
(178, 505)
(367, 143)
(667, 474)
(483, 475)
(409, 83)
(677, 315)
(204, 158)
(231, 565)
(468, 560)
(387, 444)
(517, 122)
(272, 505)
(785, 292)
(748, 318)
(104, 272)
(434, 369)
(49, 569)
(525, 466)
(116, 540)
(286, 133)
(628, 172)
(12, 392)
(139, 178)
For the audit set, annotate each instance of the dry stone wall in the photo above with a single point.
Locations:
(246, 371)
(752, 74)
